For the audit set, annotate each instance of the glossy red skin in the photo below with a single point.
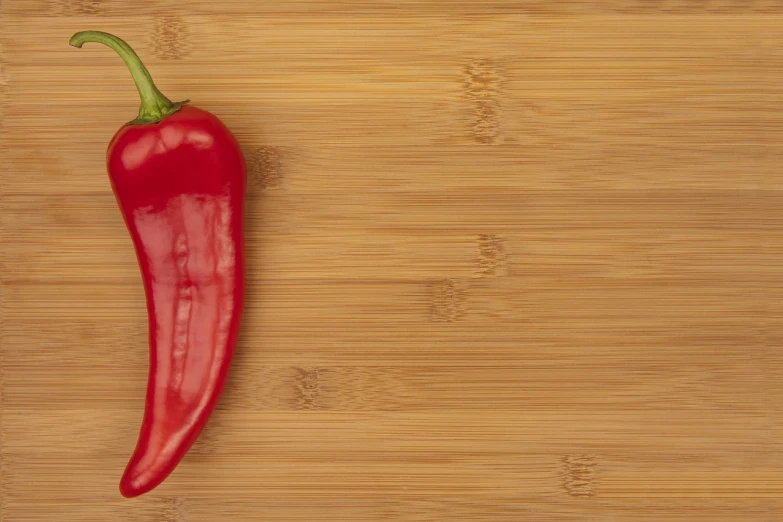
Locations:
(180, 185)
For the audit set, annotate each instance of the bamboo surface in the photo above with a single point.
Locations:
(507, 261)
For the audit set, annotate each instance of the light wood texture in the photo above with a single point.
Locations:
(507, 261)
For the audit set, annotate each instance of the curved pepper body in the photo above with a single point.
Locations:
(179, 178)
(180, 185)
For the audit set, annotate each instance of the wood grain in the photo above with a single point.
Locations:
(507, 261)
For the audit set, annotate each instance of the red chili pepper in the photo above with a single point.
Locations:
(179, 179)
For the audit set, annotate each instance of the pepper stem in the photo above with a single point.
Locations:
(154, 105)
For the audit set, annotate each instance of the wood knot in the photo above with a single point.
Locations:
(173, 509)
(263, 167)
(308, 389)
(578, 475)
(491, 256)
(482, 85)
(446, 301)
(170, 40)
(81, 7)
(301, 389)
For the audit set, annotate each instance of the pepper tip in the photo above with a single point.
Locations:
(128, 491)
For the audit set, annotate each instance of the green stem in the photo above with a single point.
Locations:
(154, 105)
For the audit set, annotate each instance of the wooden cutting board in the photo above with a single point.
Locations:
(507, 261)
